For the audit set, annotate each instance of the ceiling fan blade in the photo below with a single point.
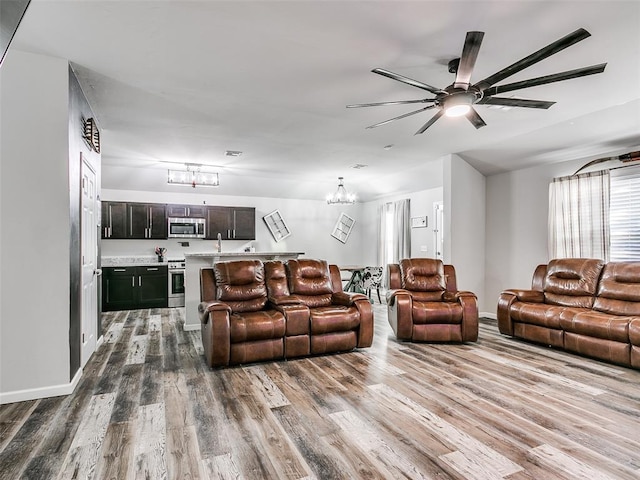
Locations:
(534, 58)
(556, 77)
(401, 116)
(515, 102)
(431, 121)
(407, 80)
(475, 119)
(468, 59)
(401, 102)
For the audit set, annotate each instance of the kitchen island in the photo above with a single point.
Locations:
(197, 261)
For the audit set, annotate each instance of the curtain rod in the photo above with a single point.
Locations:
(624, 158)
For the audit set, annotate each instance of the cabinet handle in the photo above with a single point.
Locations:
(140, 280)
(119, 269)
(110, 222)
(133, 281)
(149, 269)
(234, 233)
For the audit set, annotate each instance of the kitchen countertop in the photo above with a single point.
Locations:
(134, 261)
(239, 254)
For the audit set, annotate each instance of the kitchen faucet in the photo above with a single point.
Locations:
(219, 242)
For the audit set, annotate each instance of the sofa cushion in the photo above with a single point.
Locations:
(423, 275)
(598, 325)
(241, 285)
(619, 289)
(275, 275)
(251, 326)
(634, 331)
(540, 314)
(436, 313)
(572, 282)
(310, 281)
(336, 318)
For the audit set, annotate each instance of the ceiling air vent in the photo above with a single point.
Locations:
(359, 165)
(232, 153)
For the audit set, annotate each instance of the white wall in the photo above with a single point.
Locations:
(310, 222)
(517, 218)
(34, 224)
(464, 194)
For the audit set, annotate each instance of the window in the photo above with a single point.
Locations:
(624, 213)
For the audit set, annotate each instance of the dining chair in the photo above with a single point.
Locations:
(371, 278)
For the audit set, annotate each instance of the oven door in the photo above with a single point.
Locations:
(176, 288)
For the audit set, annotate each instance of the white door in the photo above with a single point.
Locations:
(439, 229)
(89, 260)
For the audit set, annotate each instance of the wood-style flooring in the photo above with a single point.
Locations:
(147, 407)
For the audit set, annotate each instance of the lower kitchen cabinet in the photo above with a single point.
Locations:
(130, 288)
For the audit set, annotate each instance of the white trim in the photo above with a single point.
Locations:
(488, 315)
(191, 326)
(99, 342)
(42, 392)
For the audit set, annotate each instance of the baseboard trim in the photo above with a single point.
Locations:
(493, 316)
(42, 392)
(189, 327)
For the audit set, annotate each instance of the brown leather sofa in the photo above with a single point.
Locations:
(581, 305)
(424, 304)
(249, 312)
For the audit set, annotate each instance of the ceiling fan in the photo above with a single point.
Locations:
(458, 98)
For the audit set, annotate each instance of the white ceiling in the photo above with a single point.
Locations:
(182, 81)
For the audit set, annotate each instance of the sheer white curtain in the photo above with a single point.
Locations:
(579, 216)
(394, 232)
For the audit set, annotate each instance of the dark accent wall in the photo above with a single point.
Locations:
(79, 110)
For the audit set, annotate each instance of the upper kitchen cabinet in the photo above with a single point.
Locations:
(232, 223)
(187, 211)
(122, 220)
(114, 220)
(147, 220)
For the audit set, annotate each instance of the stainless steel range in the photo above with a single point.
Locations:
(176, 282)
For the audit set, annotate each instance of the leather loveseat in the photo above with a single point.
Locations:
(252, 311)
(424, 304)
(581, 305)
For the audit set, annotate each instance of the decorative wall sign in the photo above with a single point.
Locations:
(417, 222)
(276, 225)
(91, 134)
(343, 227)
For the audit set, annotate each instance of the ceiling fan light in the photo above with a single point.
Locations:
(457, 110)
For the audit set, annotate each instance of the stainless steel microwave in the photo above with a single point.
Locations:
(187, 227)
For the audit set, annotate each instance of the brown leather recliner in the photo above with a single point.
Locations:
(424, 305)
(248, 312)
(339, 321)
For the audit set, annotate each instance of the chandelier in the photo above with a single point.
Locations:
(341, 196)
(194, 176)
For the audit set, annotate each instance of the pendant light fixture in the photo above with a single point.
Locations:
(194, 176)
(341, 196)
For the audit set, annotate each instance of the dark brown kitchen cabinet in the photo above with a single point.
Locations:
(130, 288)
(147, 220)
(114, 220)
(187, 211)
(232, 223)
(122, 220)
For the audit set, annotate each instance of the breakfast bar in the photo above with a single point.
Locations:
(195, 261)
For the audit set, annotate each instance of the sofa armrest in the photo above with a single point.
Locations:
(529, 296)
(399, 304)
(284, 300)
(469, 303)
(347, 298)
(216, 332)
(204, 308)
